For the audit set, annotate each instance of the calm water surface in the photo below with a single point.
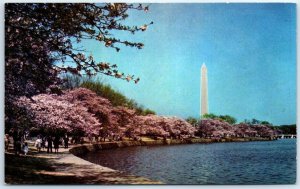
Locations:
(271, 162)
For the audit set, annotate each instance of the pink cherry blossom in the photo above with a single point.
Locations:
(83, 110)
(52, 113)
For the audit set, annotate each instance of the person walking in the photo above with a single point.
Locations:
(56, 143)
(43, 144)
(25, 148)
(38, 144)
(17, 141)
(66, 141)
(49, 141)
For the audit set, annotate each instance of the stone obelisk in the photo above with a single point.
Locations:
(204, 91)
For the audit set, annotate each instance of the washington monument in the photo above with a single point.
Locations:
(204, 91)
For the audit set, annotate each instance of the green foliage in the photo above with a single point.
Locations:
(232, 120)
(193, 121)
(116, 98)
(286, 129)
(256, 121)
(209, 116)
(148, 112)
(226, 118)
(266, 123)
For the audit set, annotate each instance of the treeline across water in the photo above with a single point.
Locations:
(281, 129)
(286, 129)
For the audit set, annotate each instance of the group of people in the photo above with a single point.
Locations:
(51, 142)
(20, 142)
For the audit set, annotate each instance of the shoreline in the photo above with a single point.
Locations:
(67, 168)
(85, 148)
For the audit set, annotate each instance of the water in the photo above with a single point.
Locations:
(270, 162)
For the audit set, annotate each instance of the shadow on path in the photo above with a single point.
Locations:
(62, 168)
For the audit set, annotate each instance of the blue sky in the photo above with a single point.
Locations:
(249, 51)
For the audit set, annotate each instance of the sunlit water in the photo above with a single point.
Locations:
(271, 162)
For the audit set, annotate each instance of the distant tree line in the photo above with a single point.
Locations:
(284, 129)
(226, 118)
(255, 122)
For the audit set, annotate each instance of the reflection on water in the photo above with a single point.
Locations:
(271, 162)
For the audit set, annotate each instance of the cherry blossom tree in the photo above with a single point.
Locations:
(100, 107)
(264, 130)
(125, 122)
(53, 114)
(116, 122)
(161, 126)
(219, 128)
(214, 128)
(150, 125)
(40, 39)
(82, 111)
(245, 130)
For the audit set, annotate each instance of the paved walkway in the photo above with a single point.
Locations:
(62, 168)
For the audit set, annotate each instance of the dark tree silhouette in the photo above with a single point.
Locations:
(40, 38)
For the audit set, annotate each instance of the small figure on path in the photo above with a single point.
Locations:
(43, 144)
(56, 143)
(66, 141)
(17, 141)
(25, 148)
(49, 147)
(38, 144)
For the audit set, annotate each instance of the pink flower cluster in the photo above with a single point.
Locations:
(81, 109)
(51, 112)
(153, 125)
(218, 128)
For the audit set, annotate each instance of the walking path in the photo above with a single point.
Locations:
(62, 168)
